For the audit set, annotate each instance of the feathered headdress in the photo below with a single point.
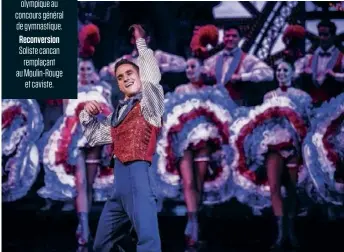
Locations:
(205, 35)
(293, 33)
(89, 37)
(293, 37)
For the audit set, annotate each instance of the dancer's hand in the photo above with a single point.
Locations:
(235, 78)
(93, 107)
(330, 73)
(209, 73)
(308, 71)
(138, 31)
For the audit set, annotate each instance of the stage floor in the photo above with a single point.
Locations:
(27, 229)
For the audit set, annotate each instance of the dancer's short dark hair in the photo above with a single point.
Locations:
(287, 61)
(200, 61)
(126, 62)
(234, 27)
(329, 24)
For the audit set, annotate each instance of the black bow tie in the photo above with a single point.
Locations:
(228, 54)
(325, 54)
(124, 102)
(137, 97)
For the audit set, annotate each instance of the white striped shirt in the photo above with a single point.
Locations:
(98, 132)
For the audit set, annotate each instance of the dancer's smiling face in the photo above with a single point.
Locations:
(231, 38)
(128, 78)
(284, 74)
(193, 69)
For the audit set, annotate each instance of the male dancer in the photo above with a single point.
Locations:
(322, 74)
(233, 68)
(133, 129)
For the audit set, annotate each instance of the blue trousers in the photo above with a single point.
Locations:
(134, 200)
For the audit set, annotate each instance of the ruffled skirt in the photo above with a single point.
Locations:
(22, 125)
(323, 151)
(62, 145)
(276, 125)
(192, 121)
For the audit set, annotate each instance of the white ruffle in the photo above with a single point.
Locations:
(27, 174)
(52, 146)
(19, 138)
(49, 158)
(102, 182)
(277, 135)
(202, 132)
(10, 146)
(243, 182)
(92, 95)
(172, 119)
(317, 139)
(326, 169)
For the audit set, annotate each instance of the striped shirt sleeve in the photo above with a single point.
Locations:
(152, 102)
(96, 131)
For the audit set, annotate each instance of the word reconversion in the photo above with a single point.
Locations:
(39, 40)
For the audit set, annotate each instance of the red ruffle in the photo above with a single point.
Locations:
(105, 171)
(69, 128)
(270, 113)
(331, 130)
(9, 114)
(223, 130)
(54, 102)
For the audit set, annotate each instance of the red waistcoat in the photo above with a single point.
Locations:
(134, 138)
(330, 88)
(234, 91)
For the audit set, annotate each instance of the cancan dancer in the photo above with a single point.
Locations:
(133, 129)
